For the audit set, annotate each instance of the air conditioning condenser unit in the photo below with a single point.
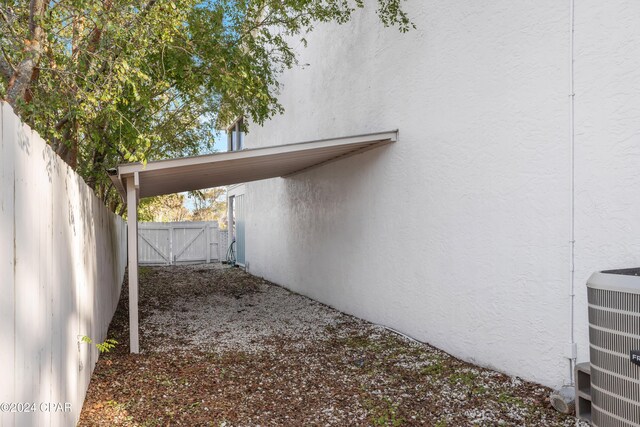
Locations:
(614, 347)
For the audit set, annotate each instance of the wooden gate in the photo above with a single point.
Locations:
(161, 243)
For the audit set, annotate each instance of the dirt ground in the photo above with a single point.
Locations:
(223, 348)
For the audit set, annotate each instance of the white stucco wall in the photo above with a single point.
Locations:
(607, 143)
(459, 233)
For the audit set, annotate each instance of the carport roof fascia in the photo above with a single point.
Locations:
(244, 165)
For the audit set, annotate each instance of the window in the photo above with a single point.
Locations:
(235, 136)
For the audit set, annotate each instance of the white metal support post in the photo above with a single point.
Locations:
(133, 186)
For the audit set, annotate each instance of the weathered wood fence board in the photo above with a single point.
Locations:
(7, 285)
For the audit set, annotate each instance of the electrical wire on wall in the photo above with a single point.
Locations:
(572, 344)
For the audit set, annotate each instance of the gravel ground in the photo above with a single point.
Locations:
(223, 348)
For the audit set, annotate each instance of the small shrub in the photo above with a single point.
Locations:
(103, 347)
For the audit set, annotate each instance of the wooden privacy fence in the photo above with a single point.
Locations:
(62, 261)
(168, 243)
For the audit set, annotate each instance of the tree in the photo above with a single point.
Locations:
(209, 205)
(165, 208)
(106, 81)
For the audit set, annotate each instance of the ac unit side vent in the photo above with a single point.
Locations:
(614, 405)
(615, 321)
(612, 340)
(617, 300)
(614, 334)
(599, 418)
(616, 385)
(616, 364)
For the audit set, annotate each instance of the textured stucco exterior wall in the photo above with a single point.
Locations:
(459, 233)
(607, 81)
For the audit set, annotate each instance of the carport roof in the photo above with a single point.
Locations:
(215, 170)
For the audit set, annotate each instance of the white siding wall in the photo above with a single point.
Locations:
(459, 233)
(62, 261)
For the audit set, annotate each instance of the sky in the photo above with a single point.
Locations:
(221, 142)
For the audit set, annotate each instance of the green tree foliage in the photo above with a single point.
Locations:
(107, 81)
(165, 208)
(209, 205)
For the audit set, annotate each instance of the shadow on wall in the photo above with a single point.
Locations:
(325, 217)
(319, 199)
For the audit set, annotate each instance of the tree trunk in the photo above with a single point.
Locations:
(25, 71)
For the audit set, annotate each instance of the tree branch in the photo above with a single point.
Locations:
(6, 68)
(8, 21)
